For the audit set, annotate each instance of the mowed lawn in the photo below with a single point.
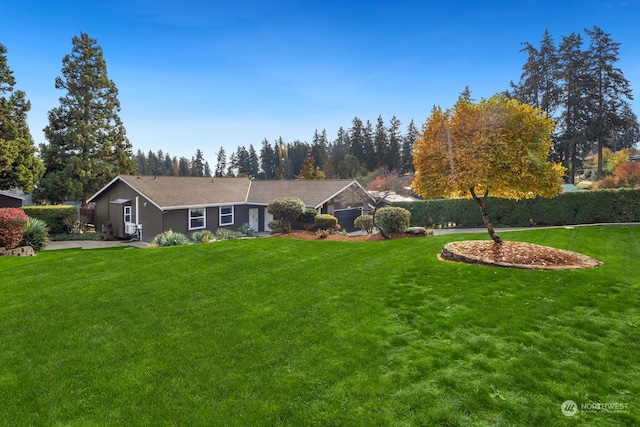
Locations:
(285, 332)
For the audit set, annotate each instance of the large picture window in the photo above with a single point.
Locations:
(226, 215)
(197, 218)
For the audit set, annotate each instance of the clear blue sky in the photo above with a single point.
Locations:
(205, 74)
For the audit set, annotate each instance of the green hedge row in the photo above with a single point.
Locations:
(580, 207)
(52, 215)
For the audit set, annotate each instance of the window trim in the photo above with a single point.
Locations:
(221, 215)
(203, 217)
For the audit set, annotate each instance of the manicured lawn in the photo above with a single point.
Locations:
(286, 332)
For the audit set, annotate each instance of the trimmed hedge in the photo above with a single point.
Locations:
(393, 219)
(579, 207)
(52, 215)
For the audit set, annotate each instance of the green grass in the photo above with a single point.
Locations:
(284, 332)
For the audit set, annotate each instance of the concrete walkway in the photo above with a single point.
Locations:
(92, 244)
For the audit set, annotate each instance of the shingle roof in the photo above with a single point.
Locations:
(313, 192)
(173, 192)
(180, 191)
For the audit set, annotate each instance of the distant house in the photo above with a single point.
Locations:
(10, 200)
(144, 206)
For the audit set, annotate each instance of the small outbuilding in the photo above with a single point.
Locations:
(10, 200)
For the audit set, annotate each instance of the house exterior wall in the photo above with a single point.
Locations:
(10, 202)
(149, 216)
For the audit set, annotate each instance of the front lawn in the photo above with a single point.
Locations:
(289, 332)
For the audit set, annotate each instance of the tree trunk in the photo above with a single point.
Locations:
(483, 210)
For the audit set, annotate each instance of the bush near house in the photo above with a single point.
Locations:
(170, 238)
(579, 207)
(393, 219)
(13, 224)
(364, 223)
(326, 221)
(52, 215)
(286, 210)
(308, 218)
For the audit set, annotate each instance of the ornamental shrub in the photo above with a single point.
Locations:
(226, 234)
(275, 226)
(13, 224)
(169, 238)
(286, 209)
(245, 230)
(36, 234)
(392, 219)
(308, 218)
(326, 221)
(202, 236)
(364, 223)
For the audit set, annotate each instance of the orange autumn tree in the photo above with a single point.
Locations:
(497, 147)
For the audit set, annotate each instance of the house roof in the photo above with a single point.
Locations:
(172, 192)
(314, 192)
(11, 195)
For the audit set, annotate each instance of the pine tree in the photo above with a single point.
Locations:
(268, 160)
(407, 147)
(87, 140)
(609, 90)
(197, 164)
(221, 163)
(392, 156)
(19, 167)
(381, 143)
(369, 157)
(356, 138)
(571, 141)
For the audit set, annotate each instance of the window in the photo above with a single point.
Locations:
(127, 214)
(226, 215)
(197, 218)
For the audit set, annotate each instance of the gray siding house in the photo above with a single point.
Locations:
(144, 206)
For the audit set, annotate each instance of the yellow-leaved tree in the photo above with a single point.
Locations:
(498, 146)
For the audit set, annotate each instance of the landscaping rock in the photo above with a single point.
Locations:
(21, 251)
(416, 230)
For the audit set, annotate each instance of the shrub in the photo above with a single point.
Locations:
(628, 175)
(36, 235)
(226, 234)
(286, 209)
(202, 236)
(392, 219)
(13, 223)
(275, 226)
(308, 218)
(326, 221)
(52, 215)
(364, 223)
(76, 224)
(169, 238)
(245, 230)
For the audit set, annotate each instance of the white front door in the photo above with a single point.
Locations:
(254, 219)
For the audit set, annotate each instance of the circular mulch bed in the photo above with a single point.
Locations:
(515, 255)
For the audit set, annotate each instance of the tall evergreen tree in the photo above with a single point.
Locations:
(184, 168)
(570, 144)
(268, 160)
(369, 157)
(197, 164)
(407, 147)
(356, 138)
(539, 84)
(381, 143)
(319, 148)
(19, 167)
(87, 140)
(254, 162)
(609, 92)
(392, 157)
(221, 163)
(140, 161)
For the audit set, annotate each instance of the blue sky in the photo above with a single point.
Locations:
(205, 74)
